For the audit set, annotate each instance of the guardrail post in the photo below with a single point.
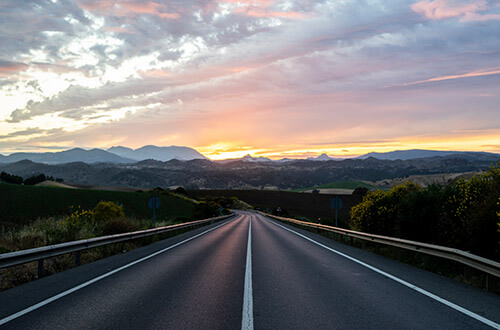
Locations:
(489, 282)
(77, 258)
(40, 268)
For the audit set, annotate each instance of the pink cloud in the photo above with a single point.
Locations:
(117, 29)
(444, 9)
(9, 68)
(129, 8)
(259, 12)
(261, 9)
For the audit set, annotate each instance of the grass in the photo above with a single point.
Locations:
(55, 230)
(22, 205)
(343, 185)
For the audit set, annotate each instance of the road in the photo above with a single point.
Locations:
(225, 276)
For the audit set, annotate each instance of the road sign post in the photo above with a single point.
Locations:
(336, 203)
(154, 203)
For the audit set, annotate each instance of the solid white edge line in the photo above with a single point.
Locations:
(247, 317)
(78, 287)
(403, 282)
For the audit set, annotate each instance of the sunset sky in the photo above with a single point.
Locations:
(267, 78)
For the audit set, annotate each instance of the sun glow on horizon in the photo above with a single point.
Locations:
(462, 141)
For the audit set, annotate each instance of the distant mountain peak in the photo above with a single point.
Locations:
(250, 158)
(157, 153)
(322, 157)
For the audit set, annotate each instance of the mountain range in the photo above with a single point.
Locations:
(238, 174)
(119, 155)
(123, 155)
(419, 153)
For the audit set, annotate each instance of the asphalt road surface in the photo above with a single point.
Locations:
(244, 273)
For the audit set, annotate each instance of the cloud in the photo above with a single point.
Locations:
(8, 68)
(26, 132)
(249, 72)
(128, 8)
(464, 10)
(481, 73)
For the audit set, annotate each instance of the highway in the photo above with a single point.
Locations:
(247, 272)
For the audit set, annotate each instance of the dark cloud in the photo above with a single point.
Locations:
(25, 132)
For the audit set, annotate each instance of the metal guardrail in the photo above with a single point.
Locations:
(39, 254)
(486, 265)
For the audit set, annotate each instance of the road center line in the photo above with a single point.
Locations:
(83, 285)
(397, 279)
(247, 317)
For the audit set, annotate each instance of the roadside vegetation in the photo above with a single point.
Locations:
(464, 214)
(34, 216)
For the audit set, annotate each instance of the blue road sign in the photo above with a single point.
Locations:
(336, 203)
(154, 202)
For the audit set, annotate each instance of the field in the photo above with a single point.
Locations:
(347, 185)
(301, 205)
(23, 204)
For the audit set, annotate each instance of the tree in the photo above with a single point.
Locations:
(33, 180)
(9, 178)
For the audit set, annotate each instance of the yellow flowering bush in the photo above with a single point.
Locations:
(78, 218)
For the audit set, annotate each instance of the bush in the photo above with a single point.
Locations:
(105, 211)
(463, 215)
(181, 191)
(118, 225)
(205, 210)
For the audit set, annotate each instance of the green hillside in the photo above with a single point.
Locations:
(24, 204)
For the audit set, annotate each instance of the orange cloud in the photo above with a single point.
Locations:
(444, 9)
(156, 73)
(458, 76)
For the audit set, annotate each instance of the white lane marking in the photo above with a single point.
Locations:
(403, 282)
(81, 286)
(247, 318)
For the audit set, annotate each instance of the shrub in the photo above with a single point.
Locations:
(206, 210)
(108, 210)
(118, 225)
(78, 218)
(463, 215)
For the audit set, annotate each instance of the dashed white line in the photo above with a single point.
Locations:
(403, 282)
(81, 286)
(247, 317)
